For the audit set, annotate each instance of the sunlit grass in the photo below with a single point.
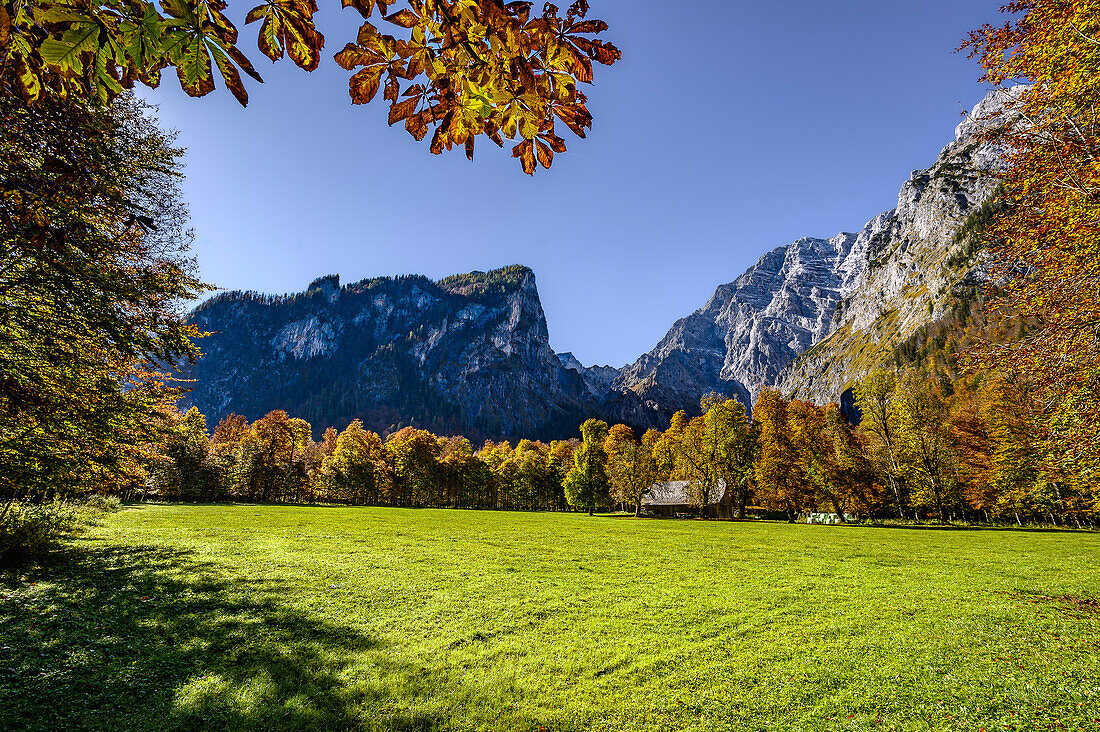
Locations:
(387, 619)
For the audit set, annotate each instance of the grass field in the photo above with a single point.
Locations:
(247, 617)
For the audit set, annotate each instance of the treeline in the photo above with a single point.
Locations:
(275, 459)
(926, 449)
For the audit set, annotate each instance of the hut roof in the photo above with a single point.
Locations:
(675, 493)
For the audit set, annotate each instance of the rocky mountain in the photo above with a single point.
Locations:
(752, 328)
(468, 354)
(598, 379)
(810, 316)
(925, 264)
(471, 353)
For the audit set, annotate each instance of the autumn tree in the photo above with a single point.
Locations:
(457, 69)
(736, 449)
(224, 454)
(778, 471)
(815, 454)
(877, 400)
(93, 266)
(357, 471)
(587, 484)
(1046, 237)
(666, 451)
(460, 473)
(415, 455)
(925, 448)
(631, 467)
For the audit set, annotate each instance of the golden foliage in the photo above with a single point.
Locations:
(457, 68)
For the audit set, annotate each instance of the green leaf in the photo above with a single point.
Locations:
(66, 53)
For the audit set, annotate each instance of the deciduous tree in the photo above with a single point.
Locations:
(631, 468)
(457, 69)
(779, 475)
(93, 266)
(587, 485)
(1048, 234)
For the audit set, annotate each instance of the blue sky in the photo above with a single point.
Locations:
(724, 132)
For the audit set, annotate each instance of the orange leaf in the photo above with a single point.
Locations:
(404, 18)
(403, 110)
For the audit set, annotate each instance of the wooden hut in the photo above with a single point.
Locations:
(672, 498)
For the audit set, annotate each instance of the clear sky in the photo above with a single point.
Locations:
(726, 130)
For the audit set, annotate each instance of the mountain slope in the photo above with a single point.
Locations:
(751, 328)
(809, 315)
(927, 265)
(466, 354)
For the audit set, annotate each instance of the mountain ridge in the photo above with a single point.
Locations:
(471, 353)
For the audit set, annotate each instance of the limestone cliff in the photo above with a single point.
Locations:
(467, 354)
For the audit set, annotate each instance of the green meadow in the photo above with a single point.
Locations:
(246, 617)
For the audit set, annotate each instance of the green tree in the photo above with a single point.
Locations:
(356, 471)
(587, 485)
(93, 265)
(876, 397)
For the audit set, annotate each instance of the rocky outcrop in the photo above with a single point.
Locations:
(751, 328)
(808, 317)
(918, 267)
(467, 354)
(598, 379)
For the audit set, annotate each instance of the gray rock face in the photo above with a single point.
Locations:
(597, 379)
(753, 332)
(915, 267)
(467, 354)
(751, 328)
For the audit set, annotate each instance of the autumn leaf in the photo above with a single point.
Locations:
(366, 7)
(545, 154)
(288, 29)
(403, 110)
(404, 18)
(365, 83)
(526, 154)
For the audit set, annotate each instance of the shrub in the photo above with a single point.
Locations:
(28, 529)
(103, 503)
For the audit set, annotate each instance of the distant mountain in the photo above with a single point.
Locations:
(467, 354)
(471, 353)
(813, 315)
(925, 266)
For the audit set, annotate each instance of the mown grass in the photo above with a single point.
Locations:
(246, 617)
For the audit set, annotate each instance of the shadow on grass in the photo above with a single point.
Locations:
(149, 638)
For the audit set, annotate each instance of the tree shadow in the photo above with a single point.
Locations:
(140, 637)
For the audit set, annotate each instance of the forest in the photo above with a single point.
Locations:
(925, 449)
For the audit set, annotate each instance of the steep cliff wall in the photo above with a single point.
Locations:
(919, 268)
(811, 316)
(466, 354)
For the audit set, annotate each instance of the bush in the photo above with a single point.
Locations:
(28, 529)
(103, 503)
